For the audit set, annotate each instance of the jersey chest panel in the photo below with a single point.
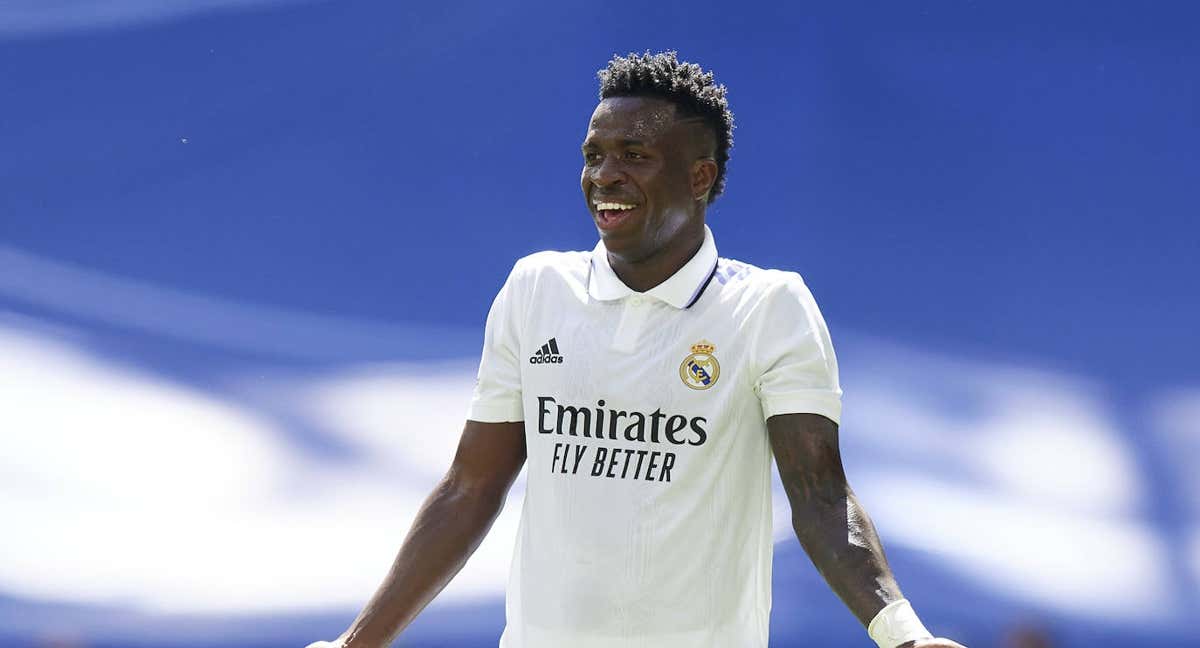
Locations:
(650, 402)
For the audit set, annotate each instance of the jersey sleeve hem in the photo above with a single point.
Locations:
(825, 404)
(496, 412)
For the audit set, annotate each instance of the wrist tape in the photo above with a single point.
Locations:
(895, 624)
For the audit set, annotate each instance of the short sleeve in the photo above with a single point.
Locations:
(497, 396)
(793, 351)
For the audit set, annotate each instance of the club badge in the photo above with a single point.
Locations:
(700, 370)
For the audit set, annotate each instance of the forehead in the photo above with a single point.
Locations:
(638, 118)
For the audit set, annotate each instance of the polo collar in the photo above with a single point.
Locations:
(680, 290)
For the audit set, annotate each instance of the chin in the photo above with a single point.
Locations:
(630, 249)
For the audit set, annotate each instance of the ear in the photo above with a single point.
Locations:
(704, 174)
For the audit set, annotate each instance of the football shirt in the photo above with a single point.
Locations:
(647, 514)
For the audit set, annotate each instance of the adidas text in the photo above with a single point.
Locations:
(548, 354)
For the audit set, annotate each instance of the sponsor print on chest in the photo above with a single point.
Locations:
(607, 439)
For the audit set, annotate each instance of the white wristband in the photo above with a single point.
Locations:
(895, 624)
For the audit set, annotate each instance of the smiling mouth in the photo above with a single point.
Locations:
(610, 214)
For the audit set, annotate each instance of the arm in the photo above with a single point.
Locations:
(447, 530)
(832, 526)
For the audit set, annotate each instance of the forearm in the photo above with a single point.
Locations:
(836, 532)
(842, 543)
(447, 530)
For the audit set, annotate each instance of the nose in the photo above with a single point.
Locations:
(607, 173)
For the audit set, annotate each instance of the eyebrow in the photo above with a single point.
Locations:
(628, 141)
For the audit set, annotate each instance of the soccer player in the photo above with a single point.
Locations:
(646, 384)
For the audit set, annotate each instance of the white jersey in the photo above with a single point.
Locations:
(647, 513)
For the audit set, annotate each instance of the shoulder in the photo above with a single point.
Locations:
(571, 267)
(758, 287)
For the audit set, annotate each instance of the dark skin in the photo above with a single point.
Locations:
(639, 153)
(832, 526)
(449, 527)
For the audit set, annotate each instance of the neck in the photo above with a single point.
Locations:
(644, 273)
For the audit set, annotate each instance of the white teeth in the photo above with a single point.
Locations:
(606, 206)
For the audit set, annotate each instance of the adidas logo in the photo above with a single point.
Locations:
(548, 354)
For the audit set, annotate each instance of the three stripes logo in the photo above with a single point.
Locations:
(548, 354)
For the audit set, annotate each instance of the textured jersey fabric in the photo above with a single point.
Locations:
(647, 514)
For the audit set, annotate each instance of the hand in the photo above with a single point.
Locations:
(931, 643)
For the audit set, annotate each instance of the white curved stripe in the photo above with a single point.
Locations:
(25, 18)
(1177, 423)
(134, 489)
(1113, 569)
(209, 320)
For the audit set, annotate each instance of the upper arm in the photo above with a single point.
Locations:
(807, 455)
(489, 457)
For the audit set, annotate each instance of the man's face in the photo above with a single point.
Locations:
(637, 174)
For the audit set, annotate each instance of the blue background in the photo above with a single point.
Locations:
(1002, 182)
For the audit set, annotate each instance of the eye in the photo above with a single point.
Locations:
(634, 155)
(591, 157)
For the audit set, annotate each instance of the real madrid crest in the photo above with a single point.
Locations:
(700, 370)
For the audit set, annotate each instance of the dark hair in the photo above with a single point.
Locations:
(684, 84)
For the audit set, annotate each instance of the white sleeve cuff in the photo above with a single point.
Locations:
(896, 624)
(825, 403)
(495, 411)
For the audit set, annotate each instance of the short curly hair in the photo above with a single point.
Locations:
(690, 88)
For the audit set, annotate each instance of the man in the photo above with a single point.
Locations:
(647, 383)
